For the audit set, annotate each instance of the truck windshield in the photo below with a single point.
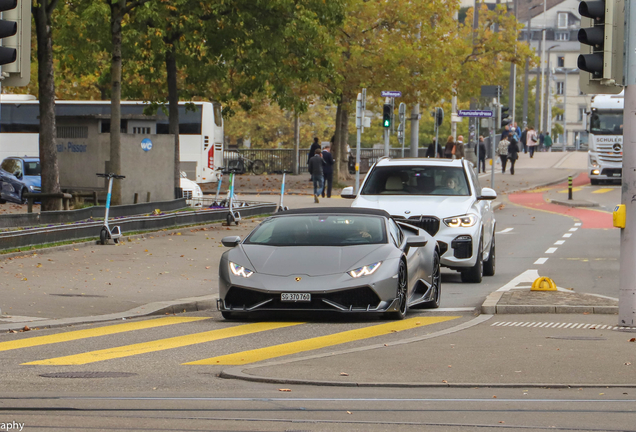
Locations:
(606, 122)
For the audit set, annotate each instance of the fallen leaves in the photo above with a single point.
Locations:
(344, 374)
(284, 390)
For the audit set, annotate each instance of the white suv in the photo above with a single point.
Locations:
(443, 197)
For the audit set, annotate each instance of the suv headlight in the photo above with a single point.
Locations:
(364, 270)
(464, 221)
(239, 270)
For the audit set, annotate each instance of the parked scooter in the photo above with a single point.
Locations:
(106, 233)
(232, 216)
(282, 207)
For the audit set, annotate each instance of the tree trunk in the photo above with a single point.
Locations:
(335, 150)
(116, 15)
(173, 115)
(343, 169)
(46, 83)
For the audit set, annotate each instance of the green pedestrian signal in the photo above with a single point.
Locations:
(386, 115)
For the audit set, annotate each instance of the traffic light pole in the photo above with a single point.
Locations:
(386, 133)
(627, 294)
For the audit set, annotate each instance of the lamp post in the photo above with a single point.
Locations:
(525, 79)
(547, 113)
(565, 103)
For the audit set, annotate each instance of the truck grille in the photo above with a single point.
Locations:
(606, 152)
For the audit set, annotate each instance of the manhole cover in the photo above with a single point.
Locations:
(577, 337)
(78, 295)
(88, 375)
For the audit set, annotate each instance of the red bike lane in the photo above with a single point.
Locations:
(590, 219)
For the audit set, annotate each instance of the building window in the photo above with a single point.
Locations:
(562, 36)
(581, 113)
(560, 61)
(559, 87)
(562, 20)
(559, 117)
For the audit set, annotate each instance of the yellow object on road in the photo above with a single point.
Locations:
(619, 216)
(543, 284)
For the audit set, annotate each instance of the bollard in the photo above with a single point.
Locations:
(569, 187)
(148, 197)
(136, 199)
(95, 202)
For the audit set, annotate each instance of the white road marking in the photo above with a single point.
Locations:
(573, 229)
(507, 230)
(567, 235)
(457, 309)
(578, 224)
(526, 277)
(551, 250)
(541, 261)
(559, 242)
(556, 325)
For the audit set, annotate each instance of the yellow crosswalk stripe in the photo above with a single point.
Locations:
(256, 355)
(604, 190)
(94, 332)
(162, 344)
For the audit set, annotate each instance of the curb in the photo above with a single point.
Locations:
(192, 304)
(574, 203)
(491, 307)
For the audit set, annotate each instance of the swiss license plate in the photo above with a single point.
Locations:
(295, 297)
(616, 174)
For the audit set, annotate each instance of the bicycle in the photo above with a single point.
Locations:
(242, 164)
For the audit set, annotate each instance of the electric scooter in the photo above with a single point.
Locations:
(232, 216)
(219, 177)
(281, 207)
(106, 233)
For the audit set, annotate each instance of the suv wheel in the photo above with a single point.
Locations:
(489, 264)
(475, 273)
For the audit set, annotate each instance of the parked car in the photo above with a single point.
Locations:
(19, 175)
(331, 259)
(443, 197)
(191, 191)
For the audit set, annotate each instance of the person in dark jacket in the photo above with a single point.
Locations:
(524, 137)
(327, 170)
(315, 167)
(431, 153)
(312, 150)
(513, 154)
(482, 155)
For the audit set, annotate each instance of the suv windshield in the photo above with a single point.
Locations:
(606, 122)
(319, 230)
(32, 168)
(416, 180)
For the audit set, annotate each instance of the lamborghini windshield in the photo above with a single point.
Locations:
(320, 230)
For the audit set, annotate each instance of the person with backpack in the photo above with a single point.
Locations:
(532, 141)
(502, 151)
(547, 142)
(513, 154)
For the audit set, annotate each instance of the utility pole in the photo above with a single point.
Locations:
(545, 29)
(361, 106)
(537, 96)
(415, 130)
(627, 294)
(386, 132)
(512, 84)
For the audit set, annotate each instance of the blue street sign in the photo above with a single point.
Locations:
(474, 113)
(389, 93)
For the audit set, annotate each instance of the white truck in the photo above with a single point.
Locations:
(605, 145)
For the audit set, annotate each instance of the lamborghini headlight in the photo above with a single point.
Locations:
(364, 270)
(239, 270)
(461, 221)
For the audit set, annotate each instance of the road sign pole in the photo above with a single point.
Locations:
(359, 125)
(415, 130)
(627, 293)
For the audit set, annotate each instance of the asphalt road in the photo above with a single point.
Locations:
(168, 367)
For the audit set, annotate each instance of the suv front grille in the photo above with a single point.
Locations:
(430, 224)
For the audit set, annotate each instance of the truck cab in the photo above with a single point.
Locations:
(605, 146)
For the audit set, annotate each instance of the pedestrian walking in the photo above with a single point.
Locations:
(433, 152)
(523, 139)
(312, 150)
(459, 148)
(502, 151)
(541, 137)
(482, 155)
(327, 170)
(547, 142)
(513, 154)
(449, 149)
(505, 132)
(517, 131)
(532, 140)
(315, 167)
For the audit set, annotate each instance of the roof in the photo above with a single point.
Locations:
(524, 12)
(335, 210)
(420, 162)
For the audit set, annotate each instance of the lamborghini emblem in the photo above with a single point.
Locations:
(298, 279)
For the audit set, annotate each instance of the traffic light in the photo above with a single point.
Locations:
(386, 115)
(504, 116)
(439, 116)
(601, 37)
(17, 44)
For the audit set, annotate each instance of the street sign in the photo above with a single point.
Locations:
(474, 113)
(390, 93)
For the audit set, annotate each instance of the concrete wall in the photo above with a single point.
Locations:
(84, 152)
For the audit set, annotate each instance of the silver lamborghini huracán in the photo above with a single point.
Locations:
(330, 259)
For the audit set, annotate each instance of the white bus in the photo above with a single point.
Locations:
(605, 140)
(200, 129)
